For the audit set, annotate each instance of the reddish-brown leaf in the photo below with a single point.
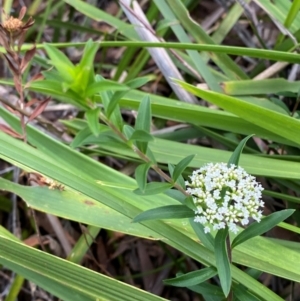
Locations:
(28, 24)
(39, 109)
(10, 109)
(22, 13)
(18, 84)
(3, 39)
(31, 102)
(27, 58)
(36, 77)
(13, 69)
(21, 39)
(4, 128)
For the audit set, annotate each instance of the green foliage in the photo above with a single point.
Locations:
(181, 166)
(235, 157)
(105, 198)
(222, 261)
(192, 278)
(141, 175)
(205, 238)
(165, 212)
(143, 123)
(256, 229)
(154, 188)
(53, 274)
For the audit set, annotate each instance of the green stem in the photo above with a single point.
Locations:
(144, 157)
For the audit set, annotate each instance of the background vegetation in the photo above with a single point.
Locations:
(213, 72)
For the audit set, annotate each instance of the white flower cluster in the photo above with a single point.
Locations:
(225, 196)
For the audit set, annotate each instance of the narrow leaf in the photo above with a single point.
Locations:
(181, 182)
(39, 109)
(154, 188)
(80, 137)
(7, 130)
(12, 67)
(105, 85)
(141, 175)
(235, 157)
(27, 58)
(143, 120)
(189, 202)
(222, 261)
(192, 278)
(205, 238)
(115, 100)
(92, 117)
(165, 212)
(61, 62)
(180, 179)
(138, 82)
(176, 194)
(128, 131)
(31, 102)
(263, 226)
(181, 166)
(140, 135)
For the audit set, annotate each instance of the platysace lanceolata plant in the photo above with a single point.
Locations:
(218, 198)
(224, 196)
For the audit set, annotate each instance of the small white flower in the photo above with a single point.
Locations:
(224, 196)
(206, 229)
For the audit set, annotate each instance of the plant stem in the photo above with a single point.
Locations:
(143, 156)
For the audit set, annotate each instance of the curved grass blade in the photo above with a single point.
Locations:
(192, 278)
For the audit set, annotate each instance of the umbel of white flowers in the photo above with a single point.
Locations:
(224, 196)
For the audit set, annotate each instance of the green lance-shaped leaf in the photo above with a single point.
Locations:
(222, 261)
(128, 131)
(263, 226)
(105, 85)
(141, 175)
(119, 93)
(139, 82)
(154, 188)
(140, 135)
(143, 121)
(189, 202)
(88, 54)
(63, 65)
(92, 117)
(165, 212)
(192, 278)
(235, 157)
(181, 166)
(81, 136)
(176, 195)
(180, 179)
(205, 238)
(106, 96)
